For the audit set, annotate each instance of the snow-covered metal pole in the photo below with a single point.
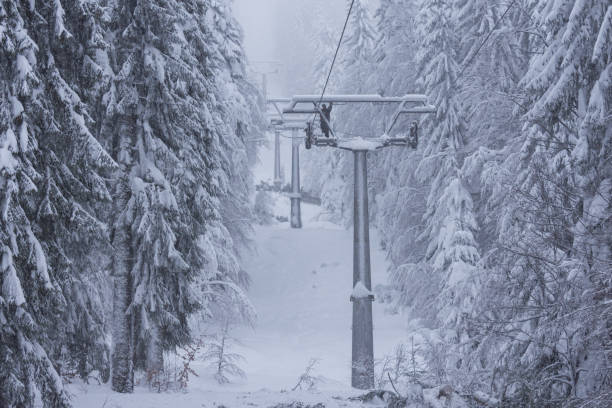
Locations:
(277, 165)
(363, 343)
(296, 196)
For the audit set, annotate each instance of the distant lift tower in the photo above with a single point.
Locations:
(296, 194)
(275, 103)
(363, 349)
(294, 125)
(277, 163)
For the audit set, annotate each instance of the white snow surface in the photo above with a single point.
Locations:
(302, 282)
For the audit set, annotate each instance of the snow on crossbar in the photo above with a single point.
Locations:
(279, 100)
(280, 120)
(360, 143)
(419, 109)
(373, 98)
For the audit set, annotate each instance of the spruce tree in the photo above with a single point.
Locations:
(51, 178)
(237, 116)
(76, 166)
(399, 204)
(160, 129)
(26, 371)
(358, 47)
(178, 115)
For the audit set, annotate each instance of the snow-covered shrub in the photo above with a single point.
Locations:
(307, 381)
(220, 358)
(189, 355)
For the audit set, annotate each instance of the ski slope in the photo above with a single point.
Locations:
(302, 281)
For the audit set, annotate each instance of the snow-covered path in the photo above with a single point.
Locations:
(302, 280)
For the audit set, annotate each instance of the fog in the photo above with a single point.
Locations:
(278, 37)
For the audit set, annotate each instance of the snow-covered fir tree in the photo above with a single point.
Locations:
(168, 121)
(26, 367)
(398, 195)
(358, 47)
(148, 268)
(52, 316)
(452, 253)
(76, 167)
(239, 118)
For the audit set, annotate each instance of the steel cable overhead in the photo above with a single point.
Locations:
(331, 68)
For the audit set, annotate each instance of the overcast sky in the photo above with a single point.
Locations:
(276, 30)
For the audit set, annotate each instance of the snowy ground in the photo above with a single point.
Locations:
(302, 280)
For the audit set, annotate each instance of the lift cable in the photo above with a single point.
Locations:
(486, 38)
(331, 68)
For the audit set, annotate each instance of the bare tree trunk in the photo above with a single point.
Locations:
(155, 355)
(122, 359)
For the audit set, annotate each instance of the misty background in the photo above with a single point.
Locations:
(281, 34)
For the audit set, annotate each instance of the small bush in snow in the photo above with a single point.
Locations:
(224, 362)
(307, 381)
(191, 351)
